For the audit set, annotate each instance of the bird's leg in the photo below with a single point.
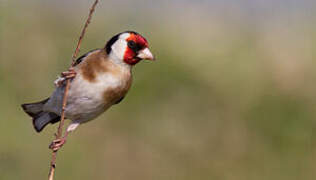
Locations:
(58, 143)
(69, 74)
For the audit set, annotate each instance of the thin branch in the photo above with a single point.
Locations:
(62, 116)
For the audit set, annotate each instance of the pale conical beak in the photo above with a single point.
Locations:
(146, 54)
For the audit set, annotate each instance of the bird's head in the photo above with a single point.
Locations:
(128, 47)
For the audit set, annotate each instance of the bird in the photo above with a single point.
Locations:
(99, 79)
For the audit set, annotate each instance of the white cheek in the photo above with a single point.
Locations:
(119, 48)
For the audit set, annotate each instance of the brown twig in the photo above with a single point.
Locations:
(62, 116)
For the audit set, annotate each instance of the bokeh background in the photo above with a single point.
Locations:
(232, 95)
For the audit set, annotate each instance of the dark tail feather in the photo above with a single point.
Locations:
(44, 118)
(33, 109)
(40, 118)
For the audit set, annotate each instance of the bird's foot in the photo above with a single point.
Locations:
(70, 74)
(57, 144)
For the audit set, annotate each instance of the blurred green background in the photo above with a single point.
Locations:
(230, 97)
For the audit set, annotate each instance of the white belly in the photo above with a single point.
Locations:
(86, 99)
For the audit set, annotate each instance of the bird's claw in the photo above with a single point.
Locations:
(71, 73)
(57, 144)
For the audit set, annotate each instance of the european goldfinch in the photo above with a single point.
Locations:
(100, 78)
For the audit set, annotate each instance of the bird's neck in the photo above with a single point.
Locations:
(119, 61)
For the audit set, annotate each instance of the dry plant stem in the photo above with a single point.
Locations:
(62, 116)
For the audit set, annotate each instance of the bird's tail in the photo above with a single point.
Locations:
(40, 117)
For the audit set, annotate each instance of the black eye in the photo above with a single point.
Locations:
(132, 45)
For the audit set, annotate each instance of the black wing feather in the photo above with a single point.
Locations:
(120, 100)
